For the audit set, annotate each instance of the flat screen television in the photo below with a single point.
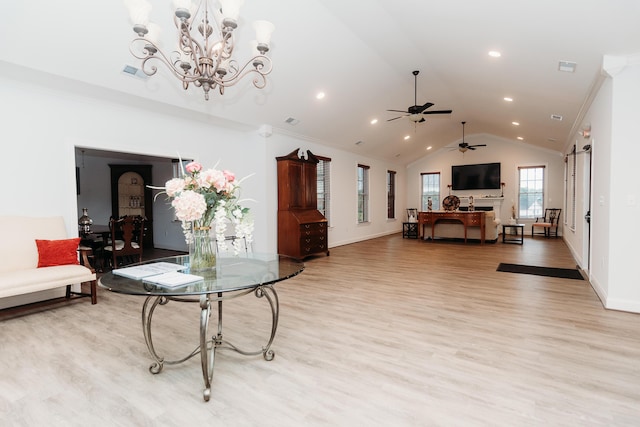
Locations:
(485, 176)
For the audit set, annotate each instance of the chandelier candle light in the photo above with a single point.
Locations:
(203, 57)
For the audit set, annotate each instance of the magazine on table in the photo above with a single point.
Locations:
(146, 270)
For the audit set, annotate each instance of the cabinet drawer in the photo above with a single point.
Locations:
(313, 229)
(312, 249)
(313, 241)
(474, 221)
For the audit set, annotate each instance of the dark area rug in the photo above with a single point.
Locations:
(564, 273)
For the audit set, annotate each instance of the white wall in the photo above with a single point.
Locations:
(624, 202)
(44, 125)
(510, 154)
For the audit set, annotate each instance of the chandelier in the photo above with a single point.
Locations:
(204, 55)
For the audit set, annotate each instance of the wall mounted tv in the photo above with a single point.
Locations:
(485, 176)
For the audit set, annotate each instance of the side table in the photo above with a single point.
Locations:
(518, 236)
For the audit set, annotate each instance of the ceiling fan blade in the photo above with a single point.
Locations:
(438, 112)
(471, 147)
(478, 145)
(421, 108)
(398, 111)
(421, 120)
(396, 118)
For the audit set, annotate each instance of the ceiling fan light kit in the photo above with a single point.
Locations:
(416, 112)
(463, 146)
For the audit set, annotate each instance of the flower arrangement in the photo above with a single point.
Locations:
(206, 197)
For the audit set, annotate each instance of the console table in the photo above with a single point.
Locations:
(233, 277)
(468, 219)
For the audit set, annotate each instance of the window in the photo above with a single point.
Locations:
(363, 193)
(531, 192)
(324, 186)
(391, 194)
(430, 188)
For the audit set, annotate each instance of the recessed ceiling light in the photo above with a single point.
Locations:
(429, 148)
(556, 117)
(515, 123)
(374, 121)
(506, 98)
(320, 95)
(406, 137)
(567, 66)
(520, 138)
(494, 54)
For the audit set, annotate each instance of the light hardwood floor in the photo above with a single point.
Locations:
(388, 332)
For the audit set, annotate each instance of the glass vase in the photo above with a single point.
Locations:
(202, 250)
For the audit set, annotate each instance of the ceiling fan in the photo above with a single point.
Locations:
(416, 112)
(463, 146)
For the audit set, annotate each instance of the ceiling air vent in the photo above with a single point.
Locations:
(291, 121)
(556, 117)
(567, 66)
(132, 71)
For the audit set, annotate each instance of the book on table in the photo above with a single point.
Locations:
(173, 279)
(138, 272)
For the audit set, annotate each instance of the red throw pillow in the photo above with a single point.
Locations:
(57, 252)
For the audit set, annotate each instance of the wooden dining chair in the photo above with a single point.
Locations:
(126, 240)
(548, 223)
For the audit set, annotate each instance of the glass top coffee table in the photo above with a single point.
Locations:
(251, 273)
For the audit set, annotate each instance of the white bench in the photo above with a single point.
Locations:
(19, 256)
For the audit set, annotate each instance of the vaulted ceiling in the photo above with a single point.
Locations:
(361, 54)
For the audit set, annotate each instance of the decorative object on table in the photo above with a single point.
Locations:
(84, 223)
(471, 207)
(449, 187)
(206, 199)
(451, 203)
(203, 56)
(512, 220)
(502, 184)
(429, 204)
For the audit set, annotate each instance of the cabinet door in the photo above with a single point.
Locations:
(310, 186)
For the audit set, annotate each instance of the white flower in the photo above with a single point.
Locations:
(189, 206)
(174, 186)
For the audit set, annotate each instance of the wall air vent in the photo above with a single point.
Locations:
(556, 117)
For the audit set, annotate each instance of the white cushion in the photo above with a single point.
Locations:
(37, 279)
(120, 245)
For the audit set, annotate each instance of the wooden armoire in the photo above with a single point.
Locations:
(302, 229)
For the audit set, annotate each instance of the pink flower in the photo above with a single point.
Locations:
(193, 167)
(212, 178)
(229, 176)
